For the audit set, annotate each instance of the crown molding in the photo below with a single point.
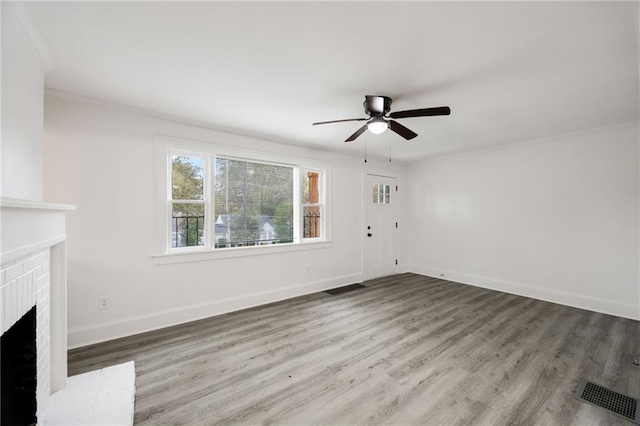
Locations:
(23, 18)
(547, 139)
(59, 95)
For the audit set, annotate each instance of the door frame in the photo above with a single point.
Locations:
(400, 216)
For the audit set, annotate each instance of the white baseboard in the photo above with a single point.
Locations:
(403, 269)
(102, 332)
(548, 295)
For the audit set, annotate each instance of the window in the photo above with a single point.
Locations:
(215, 199)
(311, 206)
(381, 193)
(187, 205)
(253, 203)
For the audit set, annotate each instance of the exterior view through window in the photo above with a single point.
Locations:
(311, 213)
(217, 202)
(253, 203)
(187, 199)
(381, 193)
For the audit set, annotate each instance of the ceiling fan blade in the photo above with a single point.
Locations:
(340, 121)
(360, 131)
(401, 130)
(423, 112)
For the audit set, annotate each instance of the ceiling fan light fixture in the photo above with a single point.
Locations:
(377, 125)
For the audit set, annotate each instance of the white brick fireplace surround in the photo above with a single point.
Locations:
(33, 273)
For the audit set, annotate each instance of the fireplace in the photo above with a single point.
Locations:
(33, 307)
(18, 363)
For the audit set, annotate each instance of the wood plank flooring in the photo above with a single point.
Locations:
(407, 349)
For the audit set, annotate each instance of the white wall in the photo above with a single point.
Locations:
(22, 107)
(101, 159)
(554, 220)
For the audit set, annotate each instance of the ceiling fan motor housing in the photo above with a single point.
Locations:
(376, 106)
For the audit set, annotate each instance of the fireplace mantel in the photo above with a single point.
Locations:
(29, 226)
(19, 203)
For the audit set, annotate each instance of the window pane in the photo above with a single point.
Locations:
(253, 203)
(187, 225)
(187, 177)
(386, 198)
(311, 219)
(310, 187)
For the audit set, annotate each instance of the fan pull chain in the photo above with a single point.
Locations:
(365, 149)
(389, 142)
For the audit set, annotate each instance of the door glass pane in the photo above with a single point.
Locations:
(187, 177)
(385, 195)
(187, 225)
(381, 193)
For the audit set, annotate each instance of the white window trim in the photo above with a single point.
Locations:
(166, 146)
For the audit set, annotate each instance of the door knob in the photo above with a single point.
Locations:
(369, 234)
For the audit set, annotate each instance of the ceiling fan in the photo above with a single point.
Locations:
(377, 108)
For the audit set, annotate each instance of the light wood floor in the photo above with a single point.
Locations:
(406, 350)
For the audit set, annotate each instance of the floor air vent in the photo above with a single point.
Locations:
(614, 402)
(344, 289)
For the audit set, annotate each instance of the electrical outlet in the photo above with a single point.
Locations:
(308, 270)
(104, 302)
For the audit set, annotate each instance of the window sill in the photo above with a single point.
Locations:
(195, 256)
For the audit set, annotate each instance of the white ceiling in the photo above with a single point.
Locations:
(509, 71)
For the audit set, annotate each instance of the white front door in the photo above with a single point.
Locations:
(380, 226)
